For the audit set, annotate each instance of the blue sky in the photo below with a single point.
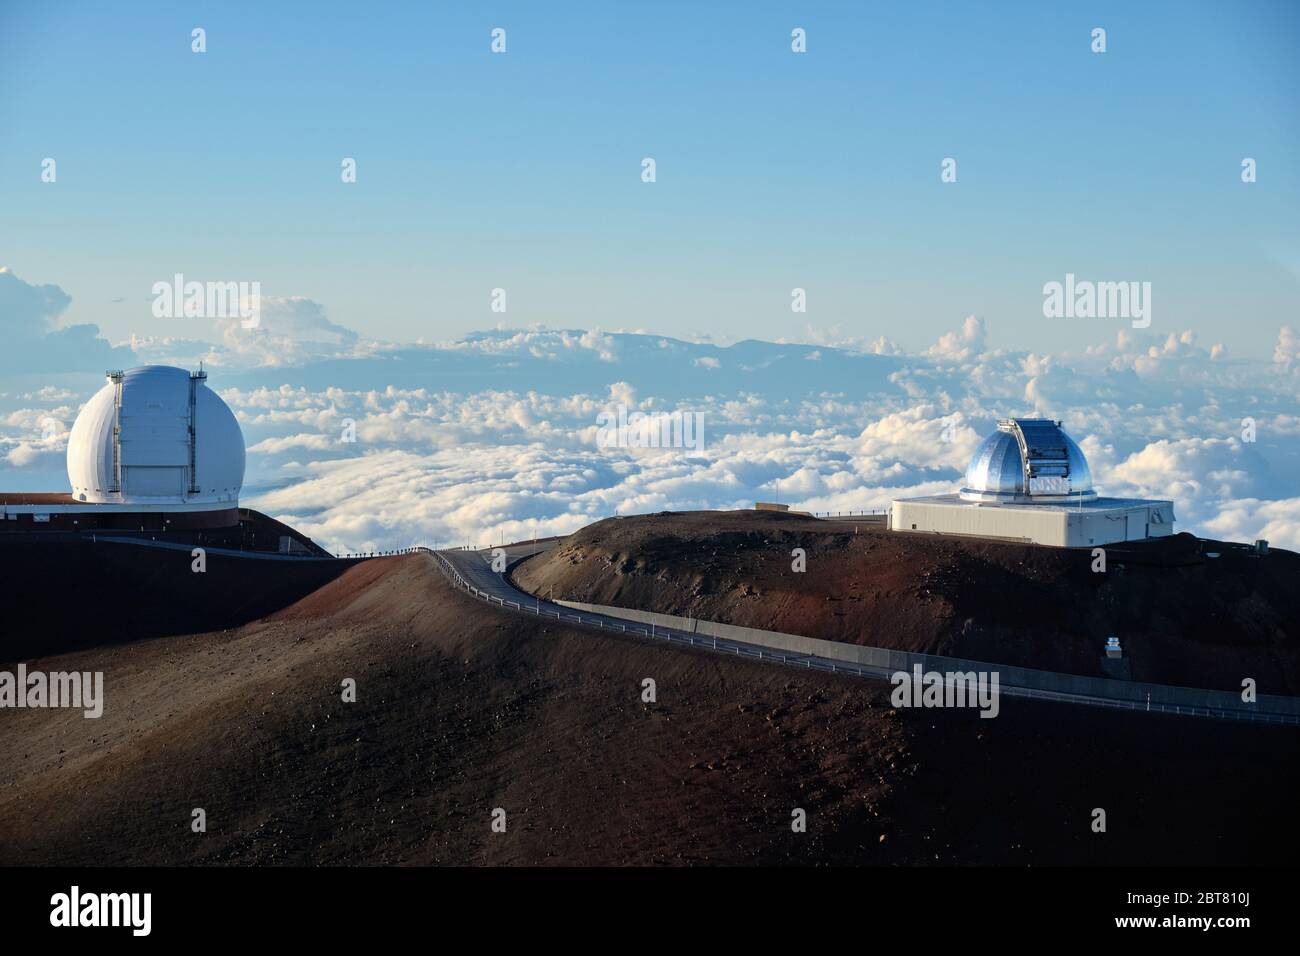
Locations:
(775, 170)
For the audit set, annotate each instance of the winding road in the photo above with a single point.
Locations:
(472, 571)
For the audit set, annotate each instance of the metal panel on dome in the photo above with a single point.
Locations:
(1043, 446)
(1045, 454)
(1049, 485)
(996, 467)
(153, 482)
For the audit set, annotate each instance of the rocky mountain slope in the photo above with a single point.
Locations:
(462, 708)
(1201, 614)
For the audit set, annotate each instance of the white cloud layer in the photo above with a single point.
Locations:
(496, 434)
(450, 466)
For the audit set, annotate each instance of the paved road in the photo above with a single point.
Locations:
(473, 571)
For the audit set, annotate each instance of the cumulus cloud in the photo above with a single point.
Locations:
(537, 342)
(963, 344)
(24, 454)
(49, 393)
(291, 331)
(1154, 357)
(835, 337)
(918, 437)
(1250, 519)
(1287, 349)
(1186, 468)
(34, 342)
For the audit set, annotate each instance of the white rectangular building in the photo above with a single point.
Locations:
(1084, 524)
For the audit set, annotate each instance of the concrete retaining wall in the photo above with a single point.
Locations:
(892, 660)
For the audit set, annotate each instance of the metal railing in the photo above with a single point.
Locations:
(414, 549)
(826, 665)
(873, 512)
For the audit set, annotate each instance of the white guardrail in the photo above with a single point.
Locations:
(813, 662)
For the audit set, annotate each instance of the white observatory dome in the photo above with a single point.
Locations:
(156, 435)
(1028, 460)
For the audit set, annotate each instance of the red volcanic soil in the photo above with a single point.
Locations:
(1182, 618)
(462, 708)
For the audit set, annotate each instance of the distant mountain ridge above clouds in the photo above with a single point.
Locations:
(556, 362)
(297, 344)
(1147, 369)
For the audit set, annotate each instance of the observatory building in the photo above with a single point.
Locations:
(155, 469)
(1029, 482)
(153, 450)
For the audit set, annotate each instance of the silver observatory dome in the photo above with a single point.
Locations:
(1028, 460)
